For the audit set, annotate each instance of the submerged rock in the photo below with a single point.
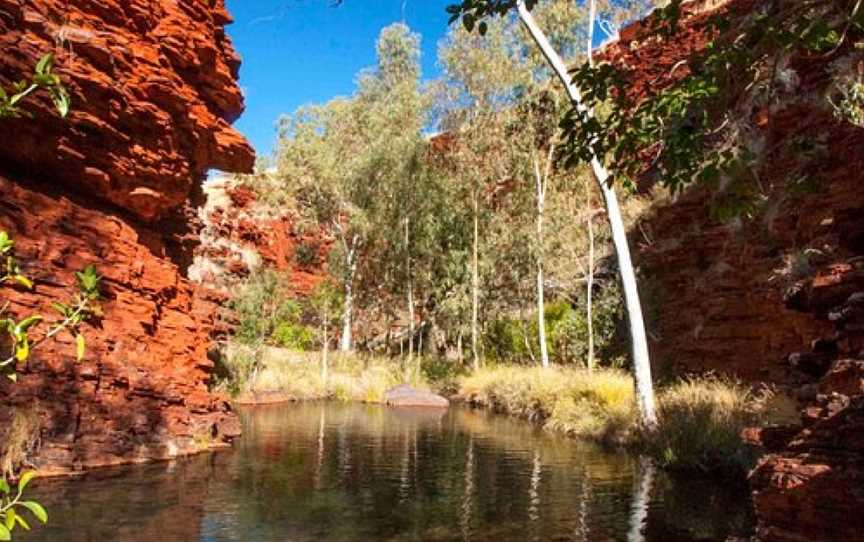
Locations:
(406, 396)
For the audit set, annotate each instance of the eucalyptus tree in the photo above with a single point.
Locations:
(344, 158)
(479, 78)
(489, 79)
(476, 13)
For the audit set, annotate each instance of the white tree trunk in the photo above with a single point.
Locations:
(542, 180)
(642, 486)
(589, 292)
(639, 340)
(534, 488)
(475, 283)
(346, 343)
(410, 294)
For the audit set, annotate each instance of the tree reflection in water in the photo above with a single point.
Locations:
(354, 472)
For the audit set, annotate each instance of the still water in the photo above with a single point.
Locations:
(368, 473)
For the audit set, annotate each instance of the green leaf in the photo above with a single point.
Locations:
(88, 281)
(80, 345)
(4, 486)
(22, 349)
(61, 101)
(22, 522)
(25, 479)
(45, 64)
(23, 281)
(9, 521)
(6, 243)
(27, 323)
(4, 533)
(36, 509)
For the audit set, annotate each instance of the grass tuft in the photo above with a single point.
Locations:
(351, 378)
(701, 421)
(597, 405)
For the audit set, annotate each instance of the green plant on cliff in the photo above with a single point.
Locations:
(690, 130)
(12, 504)
(43, 78)
(21, 340)
(19, 332)
(72, 313)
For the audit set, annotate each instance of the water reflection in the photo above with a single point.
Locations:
(344, 473)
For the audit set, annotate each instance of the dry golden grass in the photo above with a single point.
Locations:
(701, 420)
(19, 440)
(597, 405)
(350, 378)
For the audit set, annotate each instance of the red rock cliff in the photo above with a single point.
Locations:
(153, 86)
(777, 296)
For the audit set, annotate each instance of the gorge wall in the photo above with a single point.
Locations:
(242, 235)
(775, 295)
(116, 185)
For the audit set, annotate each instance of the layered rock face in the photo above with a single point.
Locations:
(810, 486)
(714, 288)
(776, 296)
(242, 235)
(153, 87)
(153, 92)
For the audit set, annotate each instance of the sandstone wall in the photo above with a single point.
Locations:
(153, 86)
(242, 235)
(715, 288)
(778, 295)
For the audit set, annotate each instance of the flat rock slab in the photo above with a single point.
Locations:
(406, 396)
(262, 398)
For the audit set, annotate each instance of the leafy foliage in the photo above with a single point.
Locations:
(43, 78)
(267, 315)
(20, 334)
(514, 340)
(12, 505)
(21, 344)
(683, 132)
(72, 313)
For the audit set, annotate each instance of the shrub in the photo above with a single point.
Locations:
(597, 405)
(507, 340)
(700, 426)
(268, 316)
(293, 336)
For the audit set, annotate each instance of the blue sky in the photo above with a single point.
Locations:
(297, 52)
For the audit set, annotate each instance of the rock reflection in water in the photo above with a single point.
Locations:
(349, 472)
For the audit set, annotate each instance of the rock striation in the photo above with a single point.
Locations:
(153, 87)
(810, 484)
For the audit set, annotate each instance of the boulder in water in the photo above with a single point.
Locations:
(406, 396)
